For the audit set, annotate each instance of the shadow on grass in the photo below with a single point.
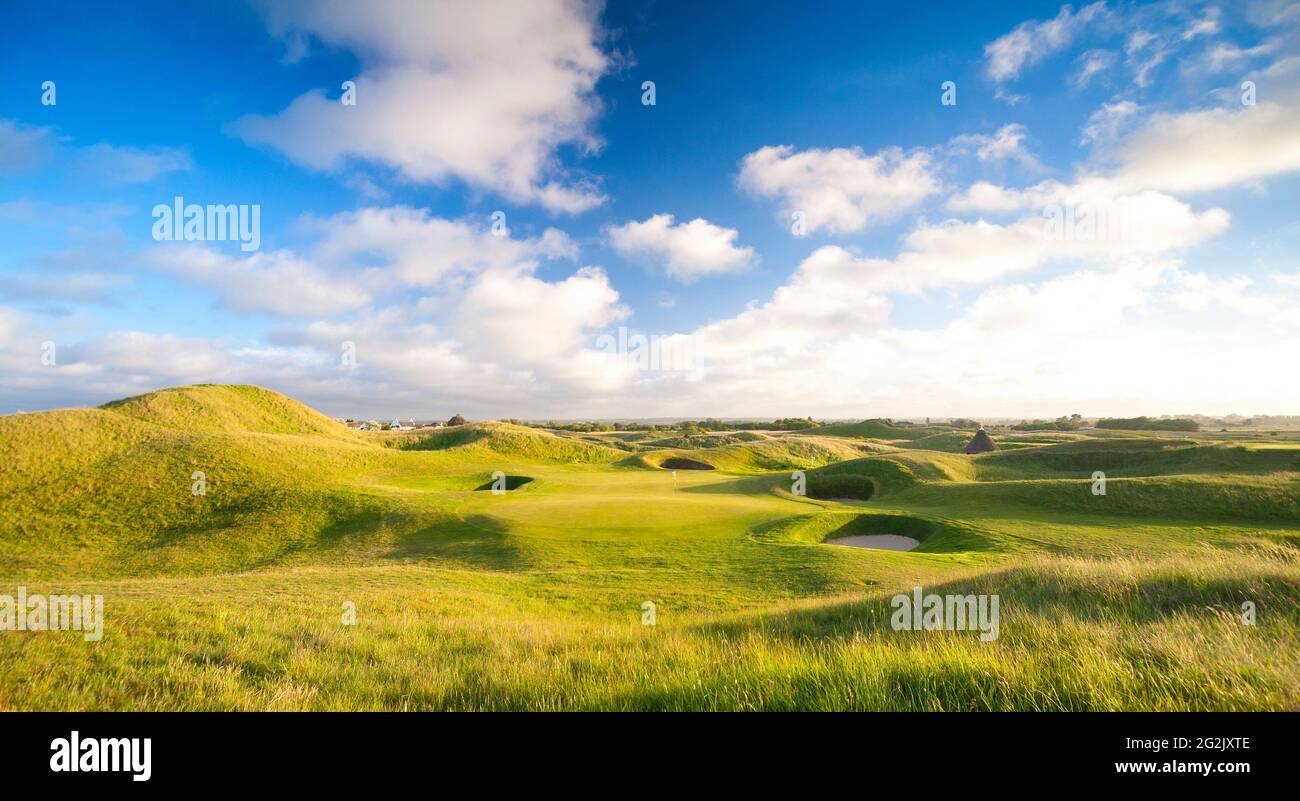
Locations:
(749, 485)
(478, 541)
(1043, 593)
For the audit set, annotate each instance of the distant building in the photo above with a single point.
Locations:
(980, 443)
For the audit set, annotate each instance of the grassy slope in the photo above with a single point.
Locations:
(876, 429)
(533, 599)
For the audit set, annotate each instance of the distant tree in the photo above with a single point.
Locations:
(457, 420)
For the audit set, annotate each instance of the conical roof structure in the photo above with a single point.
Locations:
(980, 443)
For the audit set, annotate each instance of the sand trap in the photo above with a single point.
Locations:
(881, 542)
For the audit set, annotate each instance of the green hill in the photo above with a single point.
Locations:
(504, 439)
(875, 429)
(227, 408)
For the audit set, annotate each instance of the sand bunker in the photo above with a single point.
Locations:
(511, 482)
(881, 542)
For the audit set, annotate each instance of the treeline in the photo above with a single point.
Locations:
(1149, 424)
(1062, 423)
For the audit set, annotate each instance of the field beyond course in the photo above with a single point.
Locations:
(254, 554)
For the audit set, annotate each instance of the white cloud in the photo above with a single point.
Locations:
(1006, 144)
(1094, 218)
(466, 314)
(1105, 124)
(987, 196)
(840, 190)
(1201, 150)
(12, 322)
(690, 251)
(1092, 63)
(84, 287)
(1098, 342)
(520, 321)
(1032, 41)
(485, 92)
(1225, 54)
(358, 257)
(1207, 25)
(142, 354)
(1145, 51)
(278, 282)
(108, 164)
(413, 248)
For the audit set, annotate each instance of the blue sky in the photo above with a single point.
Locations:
(922, 283)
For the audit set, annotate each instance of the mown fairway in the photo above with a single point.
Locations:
(234, 599)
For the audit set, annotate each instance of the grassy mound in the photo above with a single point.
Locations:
(1180, 497)
(883, 474)
(875, 429)
(768, 455)
(705, 440)
(504, 439)
(227, 408)
(1137, 456)
(948, 441)
(843, 486)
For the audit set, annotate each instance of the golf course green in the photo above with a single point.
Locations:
(255, 554)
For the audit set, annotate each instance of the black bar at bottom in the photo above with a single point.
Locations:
(331, 751)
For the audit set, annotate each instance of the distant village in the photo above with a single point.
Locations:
(398, 425)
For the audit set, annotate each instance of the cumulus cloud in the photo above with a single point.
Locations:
(1031, 41)
(430, 305)
(522, 322)
(278, 282)
(1099, 341)
(689, 251)
(1201, 150)
(1007, 144)
(987, 196)
(356, 258)
(840, 190)
(414, 248)
(484, 91)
